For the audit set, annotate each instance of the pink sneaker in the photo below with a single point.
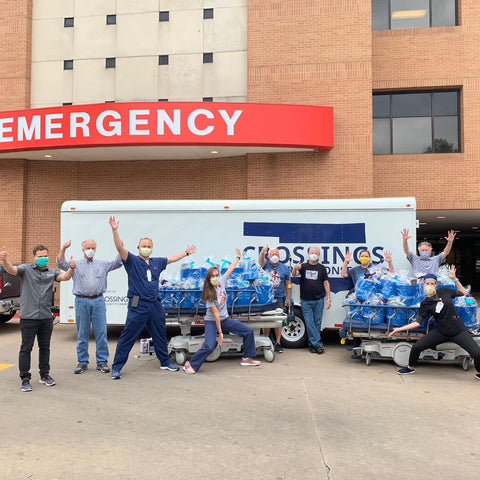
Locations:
(249, 362)
(188, 368)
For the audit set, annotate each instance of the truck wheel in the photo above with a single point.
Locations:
(5, 317)
(294, 333)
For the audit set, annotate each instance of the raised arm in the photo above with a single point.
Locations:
(178, 256)
(9, 268)
(261, 256)
(388, 259)
(452, 273)
(122, 251)
(348, 258)
(61, 263)
(234, 263)
(405, 237)
(449, 238)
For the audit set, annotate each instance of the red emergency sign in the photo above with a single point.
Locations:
(199, 123)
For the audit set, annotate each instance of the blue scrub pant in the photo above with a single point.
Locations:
(151, 315)
(228, 325)
(312, 311)
(91, 310)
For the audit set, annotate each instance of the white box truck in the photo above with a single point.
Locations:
(217, 227)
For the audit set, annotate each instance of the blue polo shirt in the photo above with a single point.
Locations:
(139, 281)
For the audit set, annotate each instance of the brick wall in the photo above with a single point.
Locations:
(15, 48)
(433, 58)
(315, 52)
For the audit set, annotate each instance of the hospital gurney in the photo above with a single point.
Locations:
(187, 310)
(369, 325)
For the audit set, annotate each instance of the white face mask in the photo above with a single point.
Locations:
(274, 259)
(90, 253)
(313, 257)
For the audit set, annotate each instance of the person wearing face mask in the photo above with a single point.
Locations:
(355, 273)
(36, 318)
(144, 305)
(314, 287)
(424, 263)
(279, 280)
(449, 327)
(217, 321)
(89, 285)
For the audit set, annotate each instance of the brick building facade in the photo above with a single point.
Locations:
(313, 52)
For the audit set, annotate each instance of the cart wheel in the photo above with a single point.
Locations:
(466, 363)
(368, 359)
(215, 355)
(401, 353)
(268, 354)
(180, 357)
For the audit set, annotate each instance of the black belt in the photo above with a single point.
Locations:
(91, 297)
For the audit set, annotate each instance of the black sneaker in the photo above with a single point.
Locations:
(319, 349)
(81, 367)
(313, 350)
(278, 348)
(103, 367)
(26, 387)
(47, 380)
(405, 371)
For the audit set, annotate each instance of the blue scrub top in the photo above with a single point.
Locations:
(139, 283)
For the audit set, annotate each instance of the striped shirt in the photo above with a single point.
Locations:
(90, 276)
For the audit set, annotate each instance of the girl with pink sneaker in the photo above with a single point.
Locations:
(217, 320)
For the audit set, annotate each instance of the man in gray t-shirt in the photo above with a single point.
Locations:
(424, 262)
(36, 280)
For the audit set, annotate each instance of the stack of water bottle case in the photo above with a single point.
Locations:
(381, 298)
(248, 286)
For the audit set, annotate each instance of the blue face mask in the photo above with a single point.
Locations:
(425, 255)
(41, 262)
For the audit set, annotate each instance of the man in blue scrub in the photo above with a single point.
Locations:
(144, 305)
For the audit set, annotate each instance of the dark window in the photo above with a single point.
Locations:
(109, 101)
(208, 58)
(207, 13)
(163, 59)
(208, 99)
(401, 14)
(163, 16)
(163, 99)
(68, 64)
(416, 122)
(110, 62)
(68, 22)
(111, 19)
(65, 104)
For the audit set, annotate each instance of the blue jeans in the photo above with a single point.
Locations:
(228, 325)
(91, 310)
(312, 311)
(151, 315)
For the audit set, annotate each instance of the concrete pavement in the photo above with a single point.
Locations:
(304, 416)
